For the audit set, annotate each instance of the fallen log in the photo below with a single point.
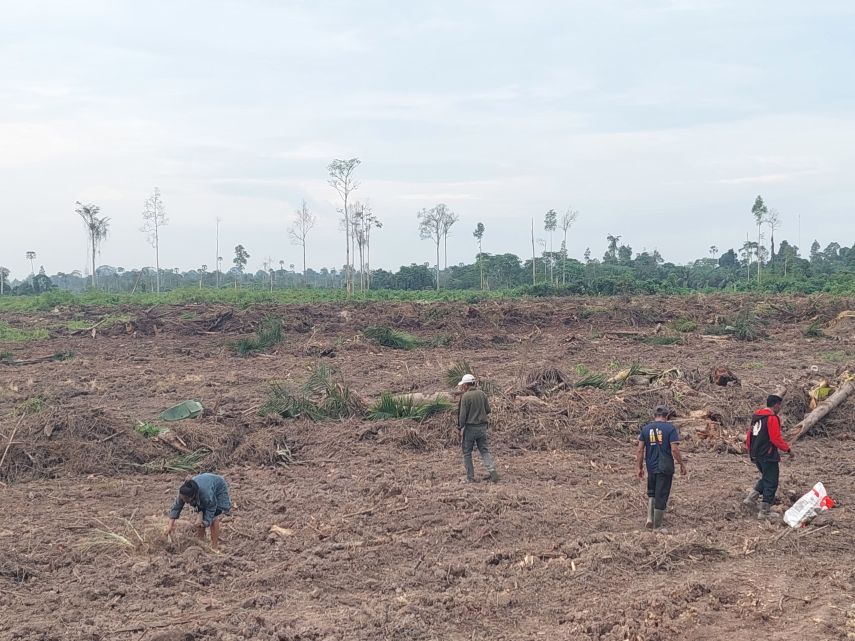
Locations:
(823, 408)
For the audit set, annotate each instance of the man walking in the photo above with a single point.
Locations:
(209, 495)
(659, 446)
(764, 443)
(472, 422)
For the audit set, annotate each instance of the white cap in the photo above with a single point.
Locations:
(467, 378)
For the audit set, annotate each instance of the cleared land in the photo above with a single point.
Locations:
(358, 529)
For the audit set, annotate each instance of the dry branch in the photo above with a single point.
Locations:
(823, 409)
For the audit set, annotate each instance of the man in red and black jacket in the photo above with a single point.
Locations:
(764, 443)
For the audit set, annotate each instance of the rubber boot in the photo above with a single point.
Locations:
(494, 476)
(750, 501)
(766, 512)
(658, 516)
(649, 524)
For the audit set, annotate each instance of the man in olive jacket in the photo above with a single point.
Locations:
(472, 422)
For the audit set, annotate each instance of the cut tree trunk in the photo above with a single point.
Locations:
(824, 408)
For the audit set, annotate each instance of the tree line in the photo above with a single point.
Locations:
(753, 265)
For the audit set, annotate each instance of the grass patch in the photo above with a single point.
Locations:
(7, 357)
(268, 335)
(11, 334)
(592, 380)
(392, 407)
(148, 430)
(748, 326)
(184, 463)
(33, 405)
(321, 397)
(62, 356)
(684, 325)
(663, 340)
(454, 373)
(75, 325)
(814, 330)
(388, 337)
(589, 311)
(835, 357)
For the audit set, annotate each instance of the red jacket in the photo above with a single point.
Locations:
(771, 433)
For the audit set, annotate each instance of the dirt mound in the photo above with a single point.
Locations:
(59, 442)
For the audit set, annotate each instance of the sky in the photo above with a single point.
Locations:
(658, 120)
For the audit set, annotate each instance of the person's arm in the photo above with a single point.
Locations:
(639, 459)
(675, 450)
(174, 513)
(486, 404)
(463, 413)
(774, 427)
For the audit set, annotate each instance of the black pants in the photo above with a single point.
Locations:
(768, 483)
(659, 489)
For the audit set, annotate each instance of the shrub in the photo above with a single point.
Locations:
(147, 429)
(663, 340)
(388, 337)
(684, 325)
(268, 335)
(814, 330)
(392, 407)
(321, 397)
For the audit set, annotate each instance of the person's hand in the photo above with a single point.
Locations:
(641, 472)
(169, 528)
(790, 454)
(683, 470)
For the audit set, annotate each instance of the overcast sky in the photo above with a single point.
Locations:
(659, 120)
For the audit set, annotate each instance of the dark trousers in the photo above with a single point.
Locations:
(659, 489)
(767, 486)
(476, 436)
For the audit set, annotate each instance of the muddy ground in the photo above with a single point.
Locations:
(375, 535)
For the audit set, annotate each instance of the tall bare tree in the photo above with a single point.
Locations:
(154, 217)
(448, 220)
(567, 219)
(357, 232)
(550, 224)
(304, 220)
(430, 228)
(96, 228)
(217, 256)
(533, 257)
(342, 180)
(479, 236)
(370, 221)
(31, 256)
(773, 219)
(4, 277)
(760, 212)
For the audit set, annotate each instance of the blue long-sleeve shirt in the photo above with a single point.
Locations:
(213, 493)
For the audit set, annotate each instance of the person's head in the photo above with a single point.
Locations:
(662, 412)
(467, 382)
(188, 491)
(774, 402)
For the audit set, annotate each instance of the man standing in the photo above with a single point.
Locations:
(208, 494)
(659, 445)
(472, 422)
(764, 443)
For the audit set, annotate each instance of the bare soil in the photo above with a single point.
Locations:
(365, 531)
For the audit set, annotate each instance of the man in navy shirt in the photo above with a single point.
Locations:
(659, 446)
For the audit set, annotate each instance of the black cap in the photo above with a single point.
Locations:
(662, 410)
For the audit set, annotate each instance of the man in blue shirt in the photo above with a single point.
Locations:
(208, 494)
(659, 446)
